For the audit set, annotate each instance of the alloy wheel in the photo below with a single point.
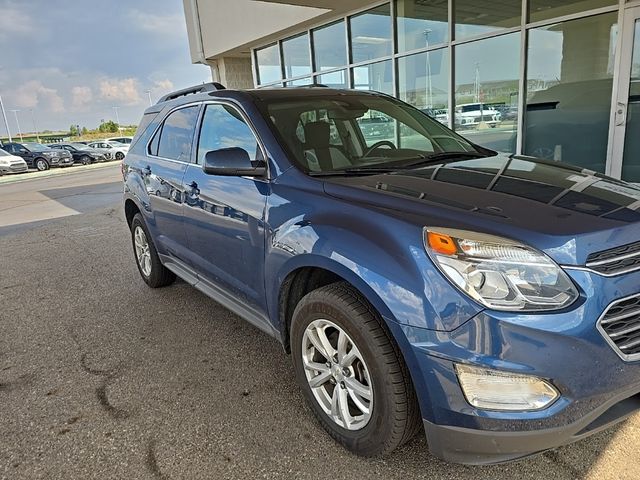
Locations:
(41, 165)
(337, 374)
(143, 255)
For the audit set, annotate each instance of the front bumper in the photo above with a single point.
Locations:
(20, 168)
(598, 388)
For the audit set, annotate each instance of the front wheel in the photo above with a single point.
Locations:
(42, 165)
(351, 372)
(85, 160)
(149, 265)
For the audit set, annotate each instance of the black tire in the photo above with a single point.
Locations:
(41, 164)
(85, 160)
(395, 417)
(160, 276)
(119, 155)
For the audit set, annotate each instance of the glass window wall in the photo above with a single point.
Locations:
(569, 84)
(421, 24)
(487, 85)
(371, 34)
(295, 54)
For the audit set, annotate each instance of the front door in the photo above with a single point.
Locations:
(625, 145)
(223, 215)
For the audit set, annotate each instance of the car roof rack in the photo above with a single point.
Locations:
(205, 87)
(310, 85)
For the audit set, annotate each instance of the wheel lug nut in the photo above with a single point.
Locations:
(346, 372)
(328, 364)
(342, 385)
(332, 381)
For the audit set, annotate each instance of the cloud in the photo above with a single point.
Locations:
(125, 91)
(14, 22)
(163, 25)
(81, 98)
(32, 93)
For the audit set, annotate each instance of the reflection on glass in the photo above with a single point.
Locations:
(487, 74)
(295, 55)
(337, 79)
(631, 160)
(299, 82)
(268, 65)
(544, 9)
(330, 46)
(423, 80)
(371, 34)
(473, 17)
(570, 77)
(421, 24)
(376, 76)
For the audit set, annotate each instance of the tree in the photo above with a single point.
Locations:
(109, 126)
(73, 130)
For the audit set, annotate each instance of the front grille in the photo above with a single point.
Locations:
(620, 324)
(616, 260)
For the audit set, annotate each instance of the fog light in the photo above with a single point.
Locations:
(495, 390)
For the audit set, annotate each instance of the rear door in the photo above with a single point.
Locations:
(162, 169)
(223, 215)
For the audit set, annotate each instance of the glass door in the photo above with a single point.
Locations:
(625, 139)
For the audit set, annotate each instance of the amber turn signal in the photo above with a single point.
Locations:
(441, 243)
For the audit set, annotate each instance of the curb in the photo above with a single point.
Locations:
(29, 176)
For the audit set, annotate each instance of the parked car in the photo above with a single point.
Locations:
(39, 156)
(117, 150)
(11, 163)
(471, 115)
(125, 140)
(81, 153)
(492, 299)
(376, 127)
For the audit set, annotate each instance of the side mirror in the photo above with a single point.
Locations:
(232, 162)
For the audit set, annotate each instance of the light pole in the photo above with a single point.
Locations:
(4, 115)
(150, 101)
(35, 128)
(15, 114)
(429, 84)
(117, 118)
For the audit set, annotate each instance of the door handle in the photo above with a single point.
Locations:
(621, 114)
(193, 189)
(147, 170)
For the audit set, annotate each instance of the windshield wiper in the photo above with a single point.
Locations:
(372, 170)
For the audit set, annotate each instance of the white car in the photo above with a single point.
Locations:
(473, 114)
(11, 163)
(125, 140)
(117, 150)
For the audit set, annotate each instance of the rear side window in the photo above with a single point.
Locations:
(224, 127)
(174, 138)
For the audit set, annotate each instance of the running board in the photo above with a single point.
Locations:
(219, 295)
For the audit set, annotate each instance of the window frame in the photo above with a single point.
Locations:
(158, 130)
(238, 108)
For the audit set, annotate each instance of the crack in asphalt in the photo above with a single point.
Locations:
(152, 461)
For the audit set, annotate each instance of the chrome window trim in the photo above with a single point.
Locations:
(160, 125)
(625, 357)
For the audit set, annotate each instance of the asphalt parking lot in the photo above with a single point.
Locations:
(102, 377)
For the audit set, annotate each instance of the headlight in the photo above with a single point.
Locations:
(496, 390)
(499, 273)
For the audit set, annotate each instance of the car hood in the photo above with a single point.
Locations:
(563, 210)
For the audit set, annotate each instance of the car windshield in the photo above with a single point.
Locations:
(80, 146)
(36, 147)
(346, 132)
(4, 154)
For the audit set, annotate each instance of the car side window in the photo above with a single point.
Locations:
(224, 127)
(176, 134)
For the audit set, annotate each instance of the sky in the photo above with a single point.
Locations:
(73, 61)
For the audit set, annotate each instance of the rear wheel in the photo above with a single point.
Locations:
(351, 372)
(119, 155)
(85, 160)
(149, 265)
(41, 164)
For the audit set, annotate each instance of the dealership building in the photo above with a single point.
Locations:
(558, 79)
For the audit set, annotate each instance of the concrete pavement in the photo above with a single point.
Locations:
(102, 377)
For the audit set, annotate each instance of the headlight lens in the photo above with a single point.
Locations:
(499, 273)
(496, 390)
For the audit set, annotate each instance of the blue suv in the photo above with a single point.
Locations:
(416, 279)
